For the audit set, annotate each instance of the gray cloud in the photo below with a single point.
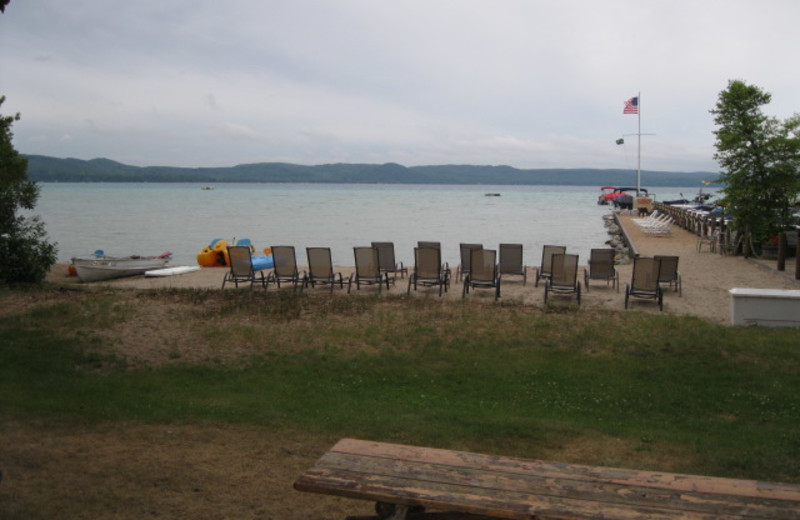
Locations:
(529, 84)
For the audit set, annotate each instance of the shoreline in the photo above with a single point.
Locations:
(707, 278)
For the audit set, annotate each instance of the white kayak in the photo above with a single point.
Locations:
(172, 271)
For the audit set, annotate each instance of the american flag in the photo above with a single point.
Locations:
(632, 106)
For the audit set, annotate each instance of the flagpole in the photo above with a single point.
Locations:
(639, 154)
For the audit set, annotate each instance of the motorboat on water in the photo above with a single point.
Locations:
(99, 266)
(701, 198)
(619, 197)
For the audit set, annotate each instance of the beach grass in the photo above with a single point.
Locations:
(680, 393)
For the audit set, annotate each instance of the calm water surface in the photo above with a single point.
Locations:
(146, 219)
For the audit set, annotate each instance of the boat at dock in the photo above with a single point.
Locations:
(619, 197)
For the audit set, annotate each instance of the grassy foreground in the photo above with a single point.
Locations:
(508, 379)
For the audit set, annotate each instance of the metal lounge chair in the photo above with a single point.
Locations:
(483, 272)
(368, 271)
(563, 277)
(386, 259)
(465, 250)
(511, 261)
(711, 238)
(445, 265)
(428, 270)
(241, 268)
(644, 282)
(601, 267)
(547, 254)
(669, 274)
(285, 268)
(320, 268)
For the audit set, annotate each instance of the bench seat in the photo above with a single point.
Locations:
(514, 488)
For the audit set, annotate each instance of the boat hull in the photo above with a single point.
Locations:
(106, 268)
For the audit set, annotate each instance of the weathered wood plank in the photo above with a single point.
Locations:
(498, 503)
(507, 487)
(576, 487)
(693, 483)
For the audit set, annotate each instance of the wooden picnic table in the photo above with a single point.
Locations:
(403, 480)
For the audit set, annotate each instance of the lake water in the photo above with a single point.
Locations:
(146, 219)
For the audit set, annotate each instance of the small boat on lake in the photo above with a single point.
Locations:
(618, 197)
(99, 267)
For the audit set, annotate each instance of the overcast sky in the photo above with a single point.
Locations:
(530, 84)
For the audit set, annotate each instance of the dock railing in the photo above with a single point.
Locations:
(716, 230)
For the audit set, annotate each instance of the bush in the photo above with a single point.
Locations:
(25, 254)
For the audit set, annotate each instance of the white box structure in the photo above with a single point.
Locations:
(765, 307)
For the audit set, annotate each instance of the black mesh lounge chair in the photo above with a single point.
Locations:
(435, 245)
(388, 264)
(644, 283)
(428, 270)
(547, 254)
(563, 277)
(241, 268)
(285, 268)
(445, 265)
(669, 274)
(601, 267)
(483, 272)
(320, 268)
(463, 268)
(368, 271)
(511, 261)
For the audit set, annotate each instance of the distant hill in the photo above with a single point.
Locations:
(50, 169)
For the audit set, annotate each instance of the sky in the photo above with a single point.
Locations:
(524, 83)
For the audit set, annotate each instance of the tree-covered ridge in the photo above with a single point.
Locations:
(50, 169)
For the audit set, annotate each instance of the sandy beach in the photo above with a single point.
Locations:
(707, 278)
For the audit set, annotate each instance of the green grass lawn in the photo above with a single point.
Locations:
(509, 379)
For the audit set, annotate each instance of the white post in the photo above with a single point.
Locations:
(639, 157)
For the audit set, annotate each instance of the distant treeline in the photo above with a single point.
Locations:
(50, 169)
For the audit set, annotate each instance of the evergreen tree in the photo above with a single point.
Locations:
(25, 254)
(760, 160)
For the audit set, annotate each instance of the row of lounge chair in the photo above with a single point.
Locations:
(479, 269)
(655, 224)
(375, 265)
